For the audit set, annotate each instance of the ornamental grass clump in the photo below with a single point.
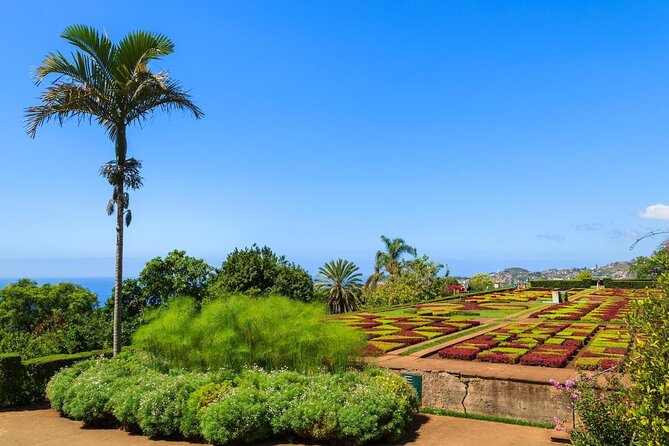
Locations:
(238, 331)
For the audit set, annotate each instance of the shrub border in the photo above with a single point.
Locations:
(24, 382)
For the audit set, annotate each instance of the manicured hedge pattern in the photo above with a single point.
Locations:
(24, 382)
(387, 333)
(607, 349)
(547, 344)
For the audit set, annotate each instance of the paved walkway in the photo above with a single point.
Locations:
(44, 427)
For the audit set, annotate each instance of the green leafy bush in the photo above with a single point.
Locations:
(88, 397)
(125, 401)
(161, 408)
(61, 383)
(259, 271)
(239, 415)
(239, 331)
(37, 321)
(352, 407)
(197, 402)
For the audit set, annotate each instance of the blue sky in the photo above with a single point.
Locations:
(487, 134)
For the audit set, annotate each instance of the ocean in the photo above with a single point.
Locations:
(102, 286)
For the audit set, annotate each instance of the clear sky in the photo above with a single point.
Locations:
(486, 134)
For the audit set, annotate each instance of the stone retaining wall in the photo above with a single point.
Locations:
(492, 396)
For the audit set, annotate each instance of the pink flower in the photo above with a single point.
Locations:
(556, 384)
(575, 395)
(569, 383)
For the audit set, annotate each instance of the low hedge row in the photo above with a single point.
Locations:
(628, 283)
(24, 382)
(587, 283)
(223, 408)
(562, 284)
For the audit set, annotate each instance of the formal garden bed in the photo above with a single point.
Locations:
(387, 333)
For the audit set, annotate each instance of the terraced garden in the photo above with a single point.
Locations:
(515, 327)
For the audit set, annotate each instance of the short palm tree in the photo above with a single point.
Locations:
(342, 283)
(111, 84)
(390, 260)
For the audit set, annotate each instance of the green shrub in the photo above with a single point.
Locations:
(61, 383)
(240, 331)
(161, 408)
(284, 391)
(352, 407)
(240, 415)
(198, 400)
(88, 398)
(11, 373)
(125, 401)
(24, 382)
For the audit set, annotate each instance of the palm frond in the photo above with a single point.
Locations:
(159, 92)
(136, 50)
(63, 101)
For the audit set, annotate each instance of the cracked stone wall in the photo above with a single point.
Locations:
(517, 399)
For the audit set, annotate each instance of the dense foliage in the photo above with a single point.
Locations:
(259, 271)
(584, 275)
(43, 320)
(24, 381)
(176, 275)
(480, 282)
(239, 331)
(417, 280)
(648, 368)
(224, 408)
(651, 267)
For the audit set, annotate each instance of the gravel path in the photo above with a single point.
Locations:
(44, 427)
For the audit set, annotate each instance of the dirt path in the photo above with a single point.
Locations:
(44, 427)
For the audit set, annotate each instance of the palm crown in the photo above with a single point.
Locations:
(107, 82)
(342, 282)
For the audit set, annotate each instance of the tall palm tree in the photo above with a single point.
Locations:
(342, 282)
(390, 261)
(111, 84)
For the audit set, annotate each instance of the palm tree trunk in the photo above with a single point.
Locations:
(121, 150)
(118, 278)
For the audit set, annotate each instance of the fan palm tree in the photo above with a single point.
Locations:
(389, 261)
(342, 283)
(111, 84)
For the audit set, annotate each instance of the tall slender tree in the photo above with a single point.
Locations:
(111, 84)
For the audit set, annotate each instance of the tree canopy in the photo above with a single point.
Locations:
(259, 271)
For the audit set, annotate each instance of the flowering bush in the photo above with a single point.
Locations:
(224, 408)
(599, 413)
